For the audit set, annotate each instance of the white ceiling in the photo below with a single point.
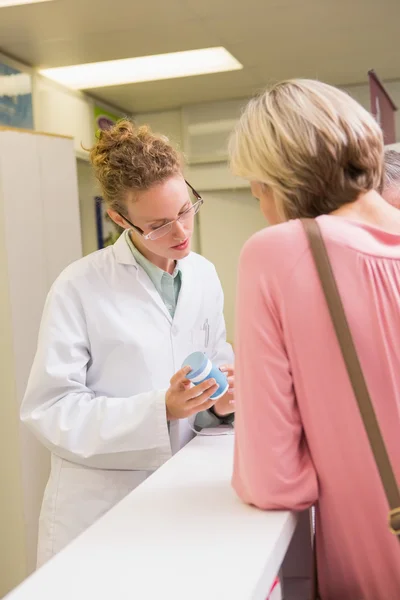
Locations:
(334, 40)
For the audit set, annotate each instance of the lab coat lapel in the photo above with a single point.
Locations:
(149, 287)
(124, 256)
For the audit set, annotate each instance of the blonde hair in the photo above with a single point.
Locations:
(127, 158)
(311, 144)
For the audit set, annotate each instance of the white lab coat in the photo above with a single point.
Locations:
(96, 394)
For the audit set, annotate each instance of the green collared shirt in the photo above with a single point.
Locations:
(168, 286)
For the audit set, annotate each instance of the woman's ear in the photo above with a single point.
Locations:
(257, 189)
(116, 217)
(268, 205)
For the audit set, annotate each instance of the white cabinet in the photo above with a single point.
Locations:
(39, 236)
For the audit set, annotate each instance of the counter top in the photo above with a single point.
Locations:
(183, 535)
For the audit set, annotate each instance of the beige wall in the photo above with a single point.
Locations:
(88, 190)
(227, 219)
(168, 123)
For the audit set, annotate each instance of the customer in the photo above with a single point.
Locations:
(309, 150)
(391, 182)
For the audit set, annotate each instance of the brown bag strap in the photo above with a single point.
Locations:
(341, 326)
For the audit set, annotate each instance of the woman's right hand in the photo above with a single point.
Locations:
(184, 399)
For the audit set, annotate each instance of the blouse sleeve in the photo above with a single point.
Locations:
(272, 467)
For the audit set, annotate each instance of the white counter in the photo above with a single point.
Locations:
(182, 535)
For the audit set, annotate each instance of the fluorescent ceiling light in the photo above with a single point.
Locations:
(144, 68)
(18, 2)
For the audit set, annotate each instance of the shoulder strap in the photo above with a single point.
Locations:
(341, 326)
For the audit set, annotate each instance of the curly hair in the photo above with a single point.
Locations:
(131, 159)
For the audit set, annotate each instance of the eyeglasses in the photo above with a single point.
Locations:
(164, 229)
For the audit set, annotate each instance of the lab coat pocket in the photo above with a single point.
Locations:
(201, 337)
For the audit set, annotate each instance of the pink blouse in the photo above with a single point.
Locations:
(299, 435)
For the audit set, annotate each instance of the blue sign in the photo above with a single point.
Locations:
(15, 98)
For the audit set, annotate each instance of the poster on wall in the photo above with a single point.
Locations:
(382, 107)
(104, 118)
(107, 231)
(15, 98)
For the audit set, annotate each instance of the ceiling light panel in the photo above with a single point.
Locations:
(144, 68)
(4, 3)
